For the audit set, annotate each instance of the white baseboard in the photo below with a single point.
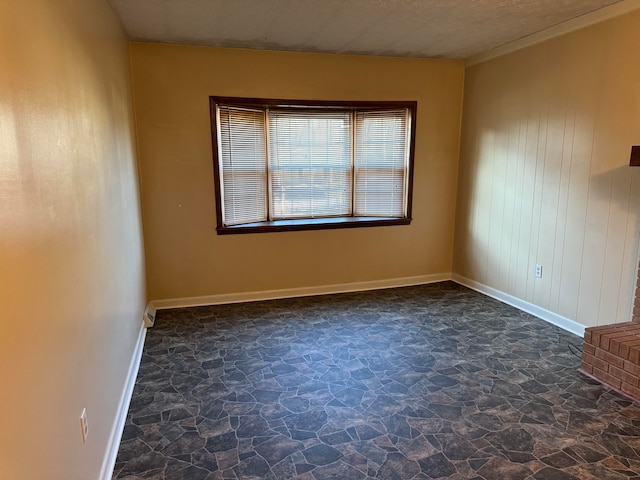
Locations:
(298, 292)
(109, 461)
(558, 320)
(553, 318)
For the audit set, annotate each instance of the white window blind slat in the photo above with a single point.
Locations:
(242, 165)
(309, 164)
(381, 163)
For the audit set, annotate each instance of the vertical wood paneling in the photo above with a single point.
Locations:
(539, 161)
(575, 226)
(544, 179)
(518, 200)
(497, 194)
(525, 215)
(615, 248)
(483, 189)
(628, 275)
(562, 208)
(512, 167)
(550, 195)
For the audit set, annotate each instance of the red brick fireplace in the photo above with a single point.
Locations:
(611, 353)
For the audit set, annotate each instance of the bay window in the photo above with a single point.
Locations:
(297, 165)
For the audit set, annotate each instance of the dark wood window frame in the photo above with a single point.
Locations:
(309, 223)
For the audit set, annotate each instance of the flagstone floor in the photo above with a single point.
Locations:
(427, 382)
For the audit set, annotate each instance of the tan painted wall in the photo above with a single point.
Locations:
(186, 258)
(71, 259)
(547, 134)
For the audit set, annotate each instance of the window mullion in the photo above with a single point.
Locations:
(406, 165)
(352, 126)
(220, 161)
(267, 148)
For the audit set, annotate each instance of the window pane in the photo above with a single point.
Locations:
(243, 165)
(381, 163)
(309, 164)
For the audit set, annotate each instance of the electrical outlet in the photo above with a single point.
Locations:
(538, 270)
(84, 425)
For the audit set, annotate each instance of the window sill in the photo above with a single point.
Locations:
(312, 224)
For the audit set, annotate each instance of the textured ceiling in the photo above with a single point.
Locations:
(408, 28)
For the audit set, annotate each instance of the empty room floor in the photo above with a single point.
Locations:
(425, 382)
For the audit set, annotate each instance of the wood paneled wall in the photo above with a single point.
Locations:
(544, 176)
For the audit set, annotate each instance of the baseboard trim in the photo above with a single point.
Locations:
(109, 461)
(298, 292)
(553, 318)
(558, 320)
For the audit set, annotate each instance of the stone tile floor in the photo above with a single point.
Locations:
(427, 382)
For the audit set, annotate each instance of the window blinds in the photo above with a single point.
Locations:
(243, 165)
(309, 163)
(380, 163)
(291, 163)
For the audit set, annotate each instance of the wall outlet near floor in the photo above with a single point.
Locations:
(538, 270)
(84, 425)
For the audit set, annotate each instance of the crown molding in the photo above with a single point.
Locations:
(597, 16)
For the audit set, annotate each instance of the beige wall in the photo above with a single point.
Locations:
(71, 260)
(186, 258)
(547, 134)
